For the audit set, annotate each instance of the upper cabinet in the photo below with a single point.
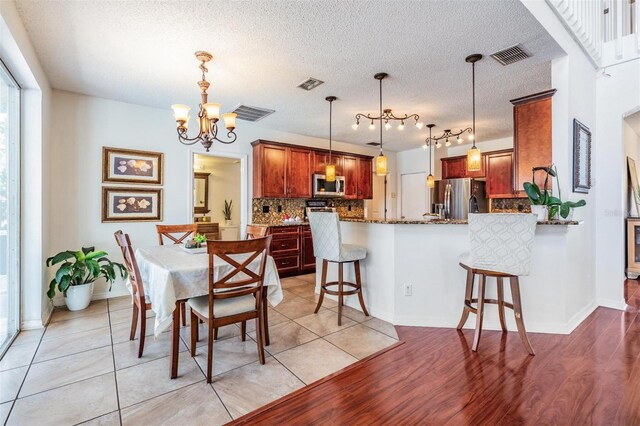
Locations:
(499, 174)
(456, 167)
(285, 171)
(531, 137)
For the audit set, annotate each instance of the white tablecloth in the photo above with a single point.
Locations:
(169, 273)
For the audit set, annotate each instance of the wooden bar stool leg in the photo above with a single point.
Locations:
(479, 313)
(340, 296)
(467, 299)
(356, 267)
(517, 310)
(501, 304)
(323, 282)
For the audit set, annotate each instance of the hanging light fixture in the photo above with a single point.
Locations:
(329, 168)
(208, 114)
(474, 156)
(431, 182)
(384, 116)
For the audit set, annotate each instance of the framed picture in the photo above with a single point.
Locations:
(635, 187)
(131, 204)
(130, 166)
(581, 157)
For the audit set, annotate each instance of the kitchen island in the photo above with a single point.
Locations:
(411, 274)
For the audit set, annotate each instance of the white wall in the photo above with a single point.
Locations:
(484, 146)
(18, 55)
(631, 149)
(82, 125)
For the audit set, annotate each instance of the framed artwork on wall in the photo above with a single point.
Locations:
(121, 204)
(635, 187)
(130, 166)
(581, 157)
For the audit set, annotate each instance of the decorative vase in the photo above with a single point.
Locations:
(78, 297)
(541, 211)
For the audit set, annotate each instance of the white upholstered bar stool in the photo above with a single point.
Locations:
(500, 248)
(327, 245)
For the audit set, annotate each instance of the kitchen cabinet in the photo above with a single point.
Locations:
(531, 137)
(292, 249)
(322, 158)
(499, 174)
(456, 167)
(365, 179)
(285, 171)
(350, 170)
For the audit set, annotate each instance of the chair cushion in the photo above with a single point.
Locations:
(223, 307)
(351, 252)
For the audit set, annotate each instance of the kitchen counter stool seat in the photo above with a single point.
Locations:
(327, 245)
(500, 248)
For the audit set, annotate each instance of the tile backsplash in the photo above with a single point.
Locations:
(295, 207)
(510, 205)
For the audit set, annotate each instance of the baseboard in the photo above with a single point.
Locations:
(579, 316)
(611, 303)
(39, 323)
(116, 291)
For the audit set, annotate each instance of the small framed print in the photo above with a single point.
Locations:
(130, 166)
(581, 157)
(131, 204)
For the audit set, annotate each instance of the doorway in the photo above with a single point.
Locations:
(219, 193)
(413, 201)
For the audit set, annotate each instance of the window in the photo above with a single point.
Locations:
(9, 208)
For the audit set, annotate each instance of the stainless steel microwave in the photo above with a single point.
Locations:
(322, 188)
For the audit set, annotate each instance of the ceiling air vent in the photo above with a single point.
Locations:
(373, 143)
(249, 113)
(511, 55)
(310, 83)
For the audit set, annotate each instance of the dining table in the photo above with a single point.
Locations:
(173, 273)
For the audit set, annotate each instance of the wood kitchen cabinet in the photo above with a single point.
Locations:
(285, 171)
(456, 167)
(499, 174)
(292, 249)
(531, 137)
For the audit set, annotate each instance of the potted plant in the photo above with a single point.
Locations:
(77, 273)
(196, 242)
(541, 200)
(227, 211)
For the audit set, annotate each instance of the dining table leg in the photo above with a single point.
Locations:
(175, 340)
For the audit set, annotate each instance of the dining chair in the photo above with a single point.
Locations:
(234, 297)
(500, 247)
(183, 232)
(141, 302)
(253, 231)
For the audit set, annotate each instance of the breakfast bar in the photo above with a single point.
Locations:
(411, 274)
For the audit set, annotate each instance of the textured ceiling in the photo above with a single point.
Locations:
(142, 52)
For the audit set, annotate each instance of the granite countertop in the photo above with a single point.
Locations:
(275, 224)
(447, 222)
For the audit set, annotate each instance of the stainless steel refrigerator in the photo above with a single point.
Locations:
(454, 197)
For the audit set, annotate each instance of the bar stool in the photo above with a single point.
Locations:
(500, 248)
(327, 245)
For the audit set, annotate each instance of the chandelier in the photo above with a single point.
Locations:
(474, 156)
(446, 135)
(385, 115)
(208, 114)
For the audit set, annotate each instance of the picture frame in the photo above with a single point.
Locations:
(581, 157)
(633, 178)
(124, 204)
(131, 166)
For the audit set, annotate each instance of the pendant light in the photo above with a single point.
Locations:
(381, 160)
(430, 180)
(474, 156)
(330, 168)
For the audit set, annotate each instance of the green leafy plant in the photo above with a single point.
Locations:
(544, 197)
(200, 238)
(227, 209)
(82, 267)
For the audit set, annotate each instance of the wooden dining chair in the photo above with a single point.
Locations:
(183, 232)
(234, 297)
(253, 231)
(141, 303)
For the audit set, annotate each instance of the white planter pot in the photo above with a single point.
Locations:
(541, 211)
(78, 296)
(228, 222)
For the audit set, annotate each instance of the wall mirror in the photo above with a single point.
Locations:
(201, 193)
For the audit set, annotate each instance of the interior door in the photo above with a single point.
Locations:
(413, 203)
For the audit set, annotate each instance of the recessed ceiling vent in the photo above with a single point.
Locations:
(249, 113)
(310, 84)
(373, 143)
(511, 55)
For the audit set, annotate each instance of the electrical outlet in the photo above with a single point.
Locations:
(279, 209)
(265, 209)
(408, 289)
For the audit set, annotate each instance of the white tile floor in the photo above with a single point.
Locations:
(83, 368)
